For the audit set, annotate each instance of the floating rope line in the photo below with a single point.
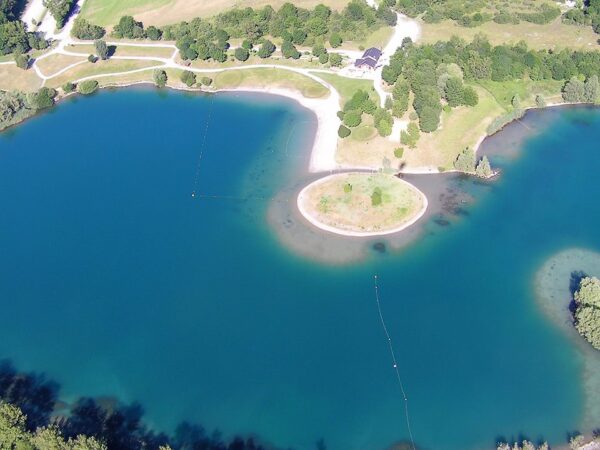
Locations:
(237, 198)
(395, 363)
(202, 145)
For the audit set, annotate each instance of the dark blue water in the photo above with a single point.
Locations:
(115, 281)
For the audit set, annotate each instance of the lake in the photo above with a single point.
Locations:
(139, 261)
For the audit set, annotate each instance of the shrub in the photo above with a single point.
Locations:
(398, 152)
(189, 78)
(324, 58)
(42, 99)
(410, 136)
(539, 101)
(289, 50)
(22, 61)
(347, 188)
(87, 87)
(335, 59)
(206, 81)
(92, 59)
(335, 40)
(483, 169)
(352, 118)
(574, 91)
(153, 33)
(160, 78)
(344, 132)
(266, 49)
(470, 97)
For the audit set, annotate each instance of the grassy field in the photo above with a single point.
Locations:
(344, 201)
(527, 90)
(162, 12)
(273, 78)
(460, 128)
(99, 68)
(12, 78)
(552, 35)
(56, 62)
(348, 86)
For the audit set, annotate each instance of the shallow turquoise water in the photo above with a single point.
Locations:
(115, 281)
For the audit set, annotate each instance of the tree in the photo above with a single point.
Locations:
(266, 49)
(12, 427)
(101, 49)
(352, 118)
(324, 58)
(470, 96)
(22, 61)
(335, 59)
(153, 33)
(87, 87)
(574, 91)
(540, 102)
(82, 29)
(335, 40)
(454, 92)
(206, 81)
(129, 28)
(160, 78)
(343, 132)
(318, 50)
(592, 89)
(410, 136)
(398, 152)
(242, 54)
(42, 99)
(59, 9)
(483, 169)
(429, 119)
(587, 310)
(289, 50)
(465, 162)
(68, 87)
(189, 78)
(376, 197)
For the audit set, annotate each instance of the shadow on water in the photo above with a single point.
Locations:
(120, 426)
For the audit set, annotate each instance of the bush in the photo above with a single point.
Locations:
(483, 169)
(42, 99)
(398, 152)
(587, 310)
(92, 59)
(352, 118)
(347, 188)
(470, 97)
(160, 78)
(335, 40)
(153, 33)
(68, 87)
(410, 136)
(84, 30)
(540, 102)
(429, 119)
(88, 87)
(344, 132)
(189, 78)
(324, 58)
(22, 61)
(289, 50)
(574, 91)
(206, 81)
(242, 54)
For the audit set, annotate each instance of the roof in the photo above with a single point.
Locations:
(366, 61)
(372, 52)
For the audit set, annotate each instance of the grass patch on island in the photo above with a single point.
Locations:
(362, 202)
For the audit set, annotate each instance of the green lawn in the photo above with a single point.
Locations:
(108, 12)
(345, 201)
(348, 86)
(527, 90)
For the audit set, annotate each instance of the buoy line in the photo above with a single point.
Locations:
(394, 363)
(202, 145)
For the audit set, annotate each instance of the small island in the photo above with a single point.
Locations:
(586, 313)
(361, 204)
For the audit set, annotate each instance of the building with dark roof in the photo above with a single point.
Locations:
(369, 59)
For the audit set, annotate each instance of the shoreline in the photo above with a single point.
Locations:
(302, 197)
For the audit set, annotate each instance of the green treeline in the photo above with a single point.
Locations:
(14, 37)
(360, 104)
(472, 13)
(433, 72)
(204, 39)
(587, 14)
(587, 310)
(17, 106)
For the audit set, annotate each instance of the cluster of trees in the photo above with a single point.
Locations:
(27, 402)
(60, 10)
(129, 28)
(587, 310)
(361, 103)
(524, 445)
(467, 162)
(189, 78)
(82, 29)
(87, 87)
(14, 37)
(577, 91)
(472, 13)
(587, 14)
(435, 72)
(17, 106)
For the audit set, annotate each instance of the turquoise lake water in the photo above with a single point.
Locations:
(115, 281)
